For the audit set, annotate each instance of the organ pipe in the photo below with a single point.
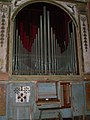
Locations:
(16, 55)
(75, 62)
(72, 53)
(49, 41)
(52, 50)
(58, 54)
(45, 56)
(41, 38)
(39, 50)
(19, 52)
(36, 53)
(45, 39)
(54, 53)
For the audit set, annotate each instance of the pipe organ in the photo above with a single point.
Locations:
(45, 56)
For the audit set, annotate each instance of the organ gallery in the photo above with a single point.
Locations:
(44, 60)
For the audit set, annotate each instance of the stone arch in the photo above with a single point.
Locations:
(62, 5)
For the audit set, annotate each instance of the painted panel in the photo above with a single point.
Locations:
(21, 101)
(2, 100)
(4, 13)
(85, 43)
(23, 109)
(78, 99)
(87, 96)
(21, 113)
(22, 94)
(3, 118)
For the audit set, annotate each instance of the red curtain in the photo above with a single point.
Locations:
(28, 28)
(27, 39)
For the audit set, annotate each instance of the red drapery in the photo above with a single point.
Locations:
(28, 28)
(27, 40)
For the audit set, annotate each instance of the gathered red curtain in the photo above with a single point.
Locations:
(27, 39)
(29, 21)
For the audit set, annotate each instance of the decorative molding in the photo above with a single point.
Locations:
(81, 0)
(84, 32)
(3, 19)
(4, 12)
(62, 0)
(71, 7)
(85, 43)
(17, 3)
(22, 94)
(2, 30)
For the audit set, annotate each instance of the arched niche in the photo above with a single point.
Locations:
(46, 33)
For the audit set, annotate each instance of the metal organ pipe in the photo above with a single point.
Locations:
(35, 62)
(45, 56)
(19, 52)
(72, 53)
(38, 38)
(49, 42)
(16, 55)
(75, 61)
(36, 53)
(41, 40)
(45, 39)
(33, 55)
(52, 52)
(57, 56)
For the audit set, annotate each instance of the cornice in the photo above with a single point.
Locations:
(58, 0)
